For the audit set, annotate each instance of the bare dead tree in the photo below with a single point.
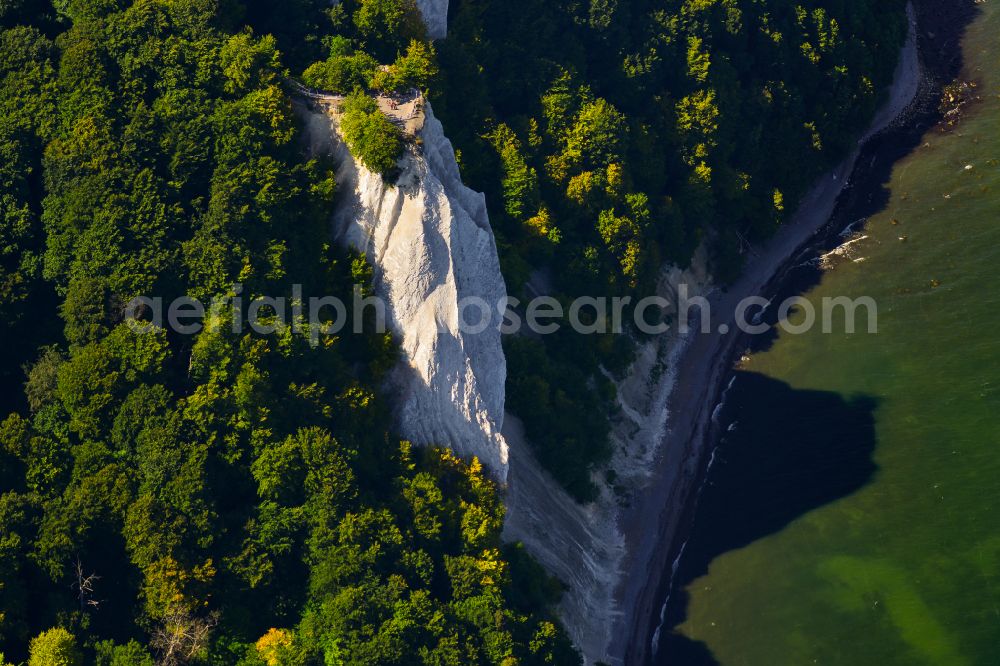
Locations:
(181, 636)
(84, 586)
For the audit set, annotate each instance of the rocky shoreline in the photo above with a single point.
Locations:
(938, 31)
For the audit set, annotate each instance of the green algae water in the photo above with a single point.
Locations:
(854, 515)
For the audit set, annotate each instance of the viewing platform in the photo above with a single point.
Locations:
(405, 110)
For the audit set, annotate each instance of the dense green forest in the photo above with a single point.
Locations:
(229, 497)
(611, 136)
(233, 497)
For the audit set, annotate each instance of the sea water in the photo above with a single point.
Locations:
(853, 516)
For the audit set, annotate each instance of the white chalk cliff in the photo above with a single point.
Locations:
(435, 13)
(429, 240)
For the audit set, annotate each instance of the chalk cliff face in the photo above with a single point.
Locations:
(429, 240)
(435, 13)
(584, 546)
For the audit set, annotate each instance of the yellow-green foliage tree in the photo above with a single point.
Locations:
(55, 647)
(371, 137)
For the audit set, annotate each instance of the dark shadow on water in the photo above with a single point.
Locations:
(791, 452)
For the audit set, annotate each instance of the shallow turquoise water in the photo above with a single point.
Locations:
(890, 552)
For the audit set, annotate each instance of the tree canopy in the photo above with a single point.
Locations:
(227, 497)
